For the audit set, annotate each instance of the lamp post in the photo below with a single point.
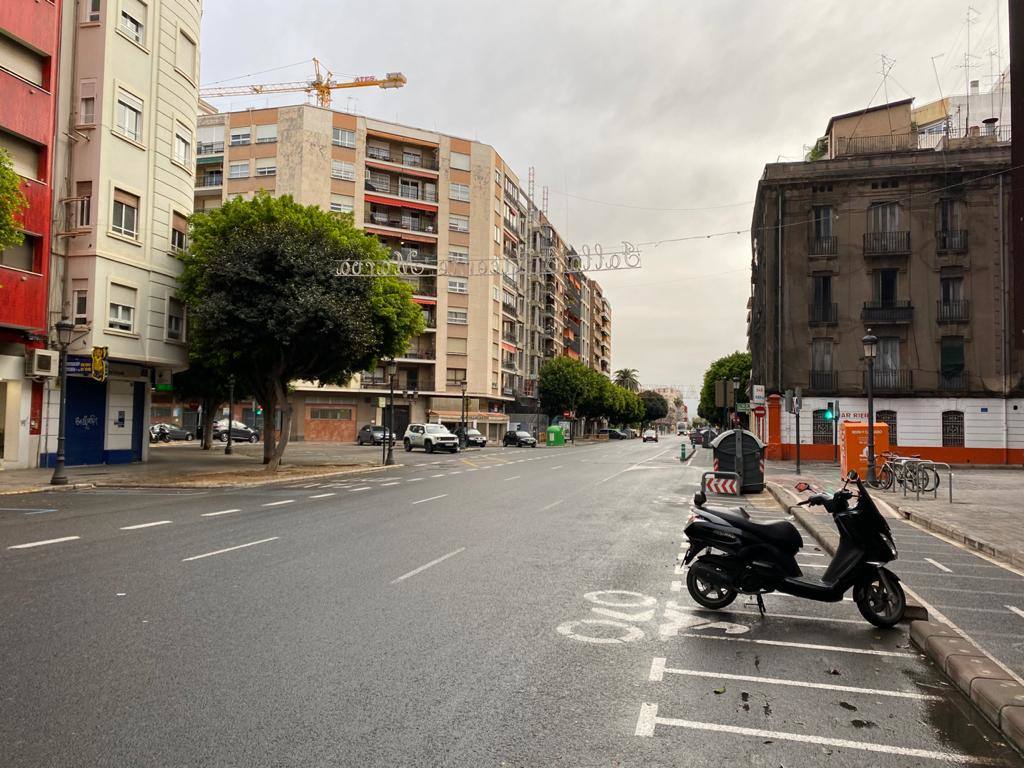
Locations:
(389, 429)
(462, 430)
(870, 343)
(229, 449)
(64, 329)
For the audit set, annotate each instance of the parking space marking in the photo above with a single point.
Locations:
(44, 542)
(278, 503)
(676, 586)
(806, 646)
(414, 479)
(145, 525)
(659, 670)
(321, 496)
(432, 498)
(938, 565)
(385, 485)
(363, 488)
(551, 505)
(440, 475)
(1016, 610)
(431, 564)
(222, 512)
(768, 615)
(228, 549)
(649, 718)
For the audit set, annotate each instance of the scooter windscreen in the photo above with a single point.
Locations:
(866, 506)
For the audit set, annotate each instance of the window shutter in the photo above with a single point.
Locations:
(120, 196)
(122, 294)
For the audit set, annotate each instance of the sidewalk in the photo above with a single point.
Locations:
(185, 465)
(987, 513)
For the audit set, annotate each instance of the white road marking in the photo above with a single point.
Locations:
(554, 468)
(385, 485)
(27, 510)
(810, 565)
(432, 498)
(278, 503)
(414, 479)
(440, 475)
(551, 505)
(321, 496)
(474, 469)
(222, 512)
(44, 542)
(514, 477)
(361, 488)
(456, 472)
(808, 646)
(311, 485)
(1016, 610)
(796, 616)
(229, 549)
(145, 525)
(649, 718)
(432, 563)
(938, 565)
(658, 670)
(676, 586)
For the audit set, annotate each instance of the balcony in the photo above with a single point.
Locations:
(209, 148)
(429, 321)
(210, 181)
(507, 391)
(892, 380)
(397, 189)
(510, 338)
(823, 246)
(887, 312)
(875, 145)
(77, 215)
(823, 314)
(509, 309)
(955, 381)
(954, 311)
(419, 353)
(886, 243)
(400, 157)
(408, 223)
(951, 240)
(822, 381)
(421, 286)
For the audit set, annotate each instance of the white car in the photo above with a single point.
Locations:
(430, 437)
(650, 434)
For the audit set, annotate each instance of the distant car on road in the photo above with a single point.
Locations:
(695, 437)
(611, 434)
(373, 434)
(472, 437)
(430, 437)
(240, 432)
(172, 431)
(519, 438)
(651, 435)
(629, 432)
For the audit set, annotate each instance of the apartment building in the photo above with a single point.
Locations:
(900, 234)
(600, 325)
(29, 49)
(125, 162)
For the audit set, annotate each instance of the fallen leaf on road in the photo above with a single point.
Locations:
(847, 705)
(720, 690)
(834, 671)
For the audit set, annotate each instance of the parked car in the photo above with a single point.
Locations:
(519, 438)
(629, 432)
(430, 437)
(650, 434)
(695, 437)
(611, 434)
(240, 432)
(471, 437)
(373, 434)
(173, 431)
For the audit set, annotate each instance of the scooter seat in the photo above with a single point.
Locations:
(782, 533)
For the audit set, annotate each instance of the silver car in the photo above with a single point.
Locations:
(430, 437)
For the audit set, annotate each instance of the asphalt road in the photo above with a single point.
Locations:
(517, 607)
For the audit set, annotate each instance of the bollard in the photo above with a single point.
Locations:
(682, 452)
(951, 486)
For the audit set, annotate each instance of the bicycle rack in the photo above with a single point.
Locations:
(949, 479)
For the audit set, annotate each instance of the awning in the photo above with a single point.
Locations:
(508, 347)
(425, 301)
(403, 235)
(402, 203)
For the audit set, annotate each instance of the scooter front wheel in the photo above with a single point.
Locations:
(881, 602)
(707, 594)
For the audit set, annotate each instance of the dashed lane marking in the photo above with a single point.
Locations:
(44, 542)
(221, 512)
(228, 549)
(431, 564)
(278, 503)
(385, 485)
(514, 477)
(938, 565)
(414, 479)
(551, 505)
(432, 498)
(145, 525)
(362, 488)
(321, 496)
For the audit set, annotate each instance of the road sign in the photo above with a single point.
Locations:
(722, 485)
(743, 407)
(760, 410)
(757, 394)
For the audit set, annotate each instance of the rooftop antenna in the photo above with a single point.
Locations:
(967, 66)
(544, 200)
(887, 65)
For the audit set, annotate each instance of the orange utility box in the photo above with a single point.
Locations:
(853, 446)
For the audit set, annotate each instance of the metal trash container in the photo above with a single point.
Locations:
(724, 447)
(707, 437)
(555, 435)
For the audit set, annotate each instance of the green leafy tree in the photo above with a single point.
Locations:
(596, 401)
(655, 406)
(563, 385)
(12, 203)
(627, 378)
(266, 305)
(734, 366)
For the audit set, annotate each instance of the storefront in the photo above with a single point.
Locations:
(20, 406)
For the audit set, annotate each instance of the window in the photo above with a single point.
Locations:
(238, 170)
(79, 302)
(884, 217)
(185, 56)
(952, 429)
(378, 182)
(497, 234)
(459, 161)
(331, 414)
(455, 376)
(497, 177)
(409, 188)
(457, 346)
(821, 356)
(886, 286)
(458, 317)
(821, 217)
(458, 223)
(126, 214)
(458, 285)
(952, 357)
(24, 154)
(266, 166)
(341, 137)
(21, 256)
(266, 134)
(179, 232)
(240, 137)
(128, 116)
(175, 320)
(495, 293)
(888, 417)
(122, 308)
(888, 357)
(822, 290)
(182, 145)
(821, 428)
(949, 215)
(82, 211)
(341, 169)
(459, 192)
(412, 157)
(342, 203)
(951, 289)
(458, 254)
(92, 12)
(87, 111)
(132, 27)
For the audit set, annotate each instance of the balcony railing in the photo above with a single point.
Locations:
(401, 158)
(430, 321)
(423, 287)
(875, 145)
(409, 193)
(211, 180)
(510, 309)
(955, 381)
(511, 338)
(822, 381)
(823, 246)
(417, 257)
(823, 314)
(209, 148)
(887, 312)
(951, 240)
(886, 243)
(954, 311)
(892, 380)
(368, 382)
(77, 214)
(402, 222)
(419, 354)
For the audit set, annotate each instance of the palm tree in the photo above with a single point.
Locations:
(628, 378)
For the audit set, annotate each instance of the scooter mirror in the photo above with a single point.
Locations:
(802, 486)
(699, 499)
(852, 475)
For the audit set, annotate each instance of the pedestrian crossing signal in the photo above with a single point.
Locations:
(830, 412)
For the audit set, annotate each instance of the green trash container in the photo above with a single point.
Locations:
(555, 435)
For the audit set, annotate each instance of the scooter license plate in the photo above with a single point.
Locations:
(691, 553)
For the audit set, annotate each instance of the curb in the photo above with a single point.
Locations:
(45, 488)
(828, 539)
(993, 692)
(957, 535)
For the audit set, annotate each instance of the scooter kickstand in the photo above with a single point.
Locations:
(760, 603)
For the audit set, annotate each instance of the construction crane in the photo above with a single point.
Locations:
(322, 85)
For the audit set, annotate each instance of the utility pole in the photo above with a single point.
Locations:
(796, 412)
(1017, 175)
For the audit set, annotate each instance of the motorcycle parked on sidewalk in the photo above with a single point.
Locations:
(742, 556)
(159, 434)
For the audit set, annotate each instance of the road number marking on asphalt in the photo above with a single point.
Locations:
(634, 599)
(431, 564)
(44, 542)
(229, 549)
(630, 633)
(278, 503)
(145, 525)
(432, 498)
(222, 512)
(938, 565)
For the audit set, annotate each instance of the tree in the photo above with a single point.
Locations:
(12, 203)
(655, 406)
(627, 378)
(563, 384)
(266, 304)
(734, 366)
(207, 385)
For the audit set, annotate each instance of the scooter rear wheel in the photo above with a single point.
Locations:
(880, 604)
(707, 594)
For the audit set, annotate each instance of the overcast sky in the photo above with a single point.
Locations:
(639, 105)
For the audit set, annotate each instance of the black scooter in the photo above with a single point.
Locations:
(746, 557)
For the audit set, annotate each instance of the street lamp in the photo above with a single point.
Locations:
(64, 329)
(228, 449)
(389, 430)
(870, 343)
(462, 432)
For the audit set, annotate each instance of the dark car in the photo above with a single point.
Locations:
(373, 434)
(519, 438)
(172, 431)
(240, 432)
(695, 437)
(611, 434)
(471, 437)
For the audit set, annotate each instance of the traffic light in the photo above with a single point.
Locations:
(830, 412)
(259, 410)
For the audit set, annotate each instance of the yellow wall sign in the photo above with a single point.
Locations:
(99, 364)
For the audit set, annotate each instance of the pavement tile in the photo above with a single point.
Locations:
(964, 670)
(992, 695)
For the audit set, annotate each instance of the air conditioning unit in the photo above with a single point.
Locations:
(41, 362)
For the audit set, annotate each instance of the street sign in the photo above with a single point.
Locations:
(743, 407)
(760, 411)
(757, 394)
(79, 366)
(99, 364)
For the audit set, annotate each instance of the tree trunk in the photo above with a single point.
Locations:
(209, 416)
(286, 426)
(269, 403)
